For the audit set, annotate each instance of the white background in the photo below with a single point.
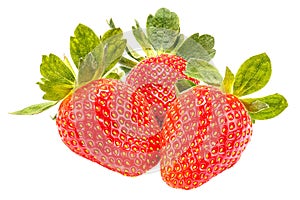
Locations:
(36, 165)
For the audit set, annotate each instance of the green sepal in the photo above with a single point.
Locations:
(132, 53)
(83, 42)
(228, 81)
(35, 109)
(111, 23)
(254, 105)
(163, 29)
(182, 85)
(179, 41)
(199, 47)
(114, 46)
(116, 73)
(125, 69)
(266, 107)
(101, 60)
(143, 40)
(127, 62)
(58, 79)
(113, 34)
(203, 71)
(253, 75)
(68, 64)
(91, 67)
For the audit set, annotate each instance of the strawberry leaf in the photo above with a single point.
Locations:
(203, 71)
(255, 105)
(35, 109)
(183, 85)
(112, 35)
(163, 29)
(228, 81)
(103, 58)
(132, 53)
(116, 73)
(200, 47)
(68, 64)
(127, 62)
(265, 107)
(91, 65)
(125, 69)
(58, 79)
(114, 47)
(83, 42)
(142, 39)
(179, 41)
(253, 75)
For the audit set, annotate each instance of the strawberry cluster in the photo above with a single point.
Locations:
(170, 107)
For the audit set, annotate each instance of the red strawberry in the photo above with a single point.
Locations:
(155, 77)
(167, 55)
(109, 123)
(204, 133)
(206, 128)
(101, 119)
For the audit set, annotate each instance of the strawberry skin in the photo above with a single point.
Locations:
(204, 133)
(155, 77)
(109, 123)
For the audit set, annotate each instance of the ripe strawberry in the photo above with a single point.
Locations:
(204, 133)
(109, 123)
(207, 128)
(155, 77)
(167, 55)
(101, 119)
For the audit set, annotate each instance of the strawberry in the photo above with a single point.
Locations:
(155, 77)
(99, 118)
(109, 123)
(205, 133)
(167, 55)
(129, 127)
(207, 128)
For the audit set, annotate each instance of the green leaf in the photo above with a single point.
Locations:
(132, 53)
(125, 69)
(111, 23)
(183, 85)
(142, 39)
(128, 63)
(116, 73)
(58, 79)
(35, 109)
(113, 51)
(179, 41)
(54, 91)
(163, 29)
(265, 107)
(253, 75)
(102, 58)
(68, 64)
(228, 81)
(203, 71)
(112, 35)
(83, 42)
(199, 47)
(91, 66)
(255, 105)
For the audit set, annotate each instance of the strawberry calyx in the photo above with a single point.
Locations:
(252, 76)
(94, 57)
(162, 36)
